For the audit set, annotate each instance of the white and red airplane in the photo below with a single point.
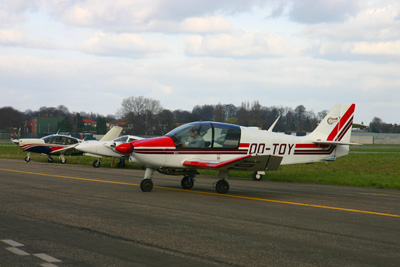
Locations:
(99, 149)
(227, 147)
(58, 144)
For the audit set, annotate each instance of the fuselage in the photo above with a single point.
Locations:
(224, 142)
(48, 144)
(105, 148)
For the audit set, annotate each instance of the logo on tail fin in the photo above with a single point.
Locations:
(332, 120)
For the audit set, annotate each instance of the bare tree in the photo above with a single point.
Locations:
(139, 106)
(218, 114)
(140, 112)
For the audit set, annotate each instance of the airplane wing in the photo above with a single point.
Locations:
(113, 133)
(244, 163)
(64, 149)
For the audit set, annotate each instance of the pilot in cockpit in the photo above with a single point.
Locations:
(194, 140)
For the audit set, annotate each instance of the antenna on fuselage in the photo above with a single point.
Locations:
(273, 125)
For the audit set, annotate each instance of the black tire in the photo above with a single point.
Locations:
(63, 161)
(222, 187)
(187, 182)
(146, 185)
(256, 176)
(27, 159)
(96, 163)
(50, 159)
(121, 163)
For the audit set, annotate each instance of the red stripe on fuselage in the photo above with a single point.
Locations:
(164, 141)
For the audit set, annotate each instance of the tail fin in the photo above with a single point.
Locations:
(335, 128)
(113, 133)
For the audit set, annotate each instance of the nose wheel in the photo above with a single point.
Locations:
(146, 185)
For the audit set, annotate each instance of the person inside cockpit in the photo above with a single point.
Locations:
(194, 140)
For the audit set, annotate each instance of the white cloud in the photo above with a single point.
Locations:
(319, 11)
(145, 15)
(11, 37)
(240, 44)
(125, 45)
(373, 35)
(206, 25)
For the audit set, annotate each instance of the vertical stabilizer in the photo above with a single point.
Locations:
(113, 133)
(336, 126)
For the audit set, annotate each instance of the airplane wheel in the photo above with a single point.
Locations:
(50, 159)
(121, 164)
(256, 176)
(222, 187)
(187, 182)
(27, 159)
(96, 163)
(146, 185)
(63, 161)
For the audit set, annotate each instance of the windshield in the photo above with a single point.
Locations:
(121, 139)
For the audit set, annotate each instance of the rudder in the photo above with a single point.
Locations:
(336, 126)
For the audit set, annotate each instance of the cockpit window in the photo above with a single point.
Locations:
(59, 140)
(206, 135)
(121, 139)
(48, 139)
(192, 135)
(226, 136)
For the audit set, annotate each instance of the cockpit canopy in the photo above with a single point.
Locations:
(125, 139)
(206, 135)
(60, 140)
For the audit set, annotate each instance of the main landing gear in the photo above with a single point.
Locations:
(96, 163)
(187, 182)
(62, 159)
(222, 186)
(28, 157)
(258, 175)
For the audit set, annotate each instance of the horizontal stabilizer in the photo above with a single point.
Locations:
(244, 163)
(337, 143)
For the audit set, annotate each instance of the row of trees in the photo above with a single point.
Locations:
(146, 116)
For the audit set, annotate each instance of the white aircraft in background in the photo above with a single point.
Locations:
(227, 147)
(103, 148)
(57, 144)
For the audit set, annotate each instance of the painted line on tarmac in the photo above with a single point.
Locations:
(215, 194)
(14, 244)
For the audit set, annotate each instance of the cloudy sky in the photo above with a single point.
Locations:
(90, 55)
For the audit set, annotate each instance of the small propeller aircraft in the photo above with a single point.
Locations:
(55, 144)
(99, 149)
(58, 144)
(227, 147)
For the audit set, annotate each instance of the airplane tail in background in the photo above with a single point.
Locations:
(113, 133)
(335, 128)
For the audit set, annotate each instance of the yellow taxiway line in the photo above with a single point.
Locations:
(215, 194)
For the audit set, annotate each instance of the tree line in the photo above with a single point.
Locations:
(146, 116)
